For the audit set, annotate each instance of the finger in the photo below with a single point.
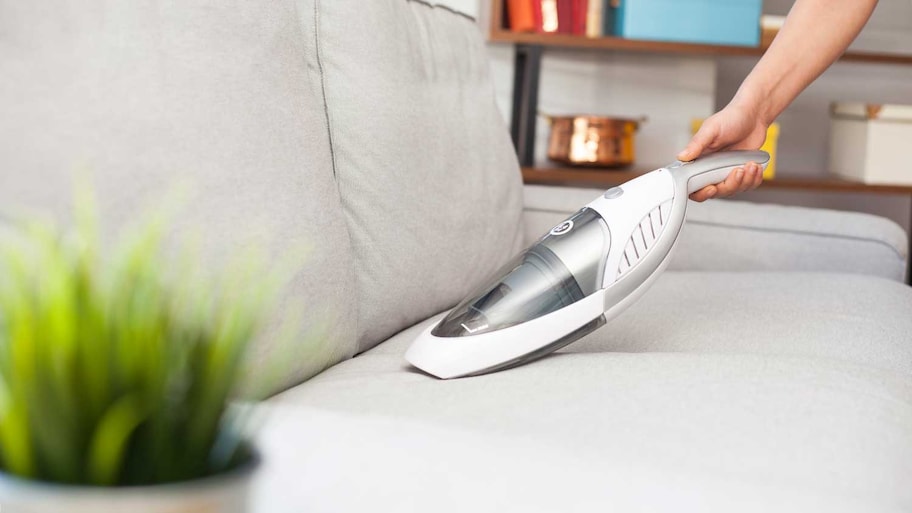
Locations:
(735, 181)
(708, 192)
(732, 183)
(759, 181)
(752, 177)
(699, 143)
(694, 148)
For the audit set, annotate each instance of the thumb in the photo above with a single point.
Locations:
(700, 141)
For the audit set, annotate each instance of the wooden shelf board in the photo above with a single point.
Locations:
(581, 177)
(617, 43)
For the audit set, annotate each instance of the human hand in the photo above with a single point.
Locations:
(736, 127)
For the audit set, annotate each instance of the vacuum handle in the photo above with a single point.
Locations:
(714, 168)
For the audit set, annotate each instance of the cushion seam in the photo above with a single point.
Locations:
(889, 246)
(332, 154)
(445, 8)
(319, 55)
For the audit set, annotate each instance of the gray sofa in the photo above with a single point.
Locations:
(768, 370)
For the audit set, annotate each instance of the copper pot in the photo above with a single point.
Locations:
(595, 141)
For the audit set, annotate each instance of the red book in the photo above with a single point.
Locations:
(580, 10)
(565, 16)
(537, 15)
(520, 14)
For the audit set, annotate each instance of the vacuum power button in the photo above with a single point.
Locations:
(614, 192)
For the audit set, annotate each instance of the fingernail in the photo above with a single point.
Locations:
(739, 174)
(711, 194)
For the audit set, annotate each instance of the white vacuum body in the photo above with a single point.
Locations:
(578, 276)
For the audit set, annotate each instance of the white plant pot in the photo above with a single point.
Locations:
(225, 493)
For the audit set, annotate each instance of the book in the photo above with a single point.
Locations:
(580, 11)
(537, 15)
(594, 18)
(549, 13)
(565, 16)
(609, 17)
(520, 15)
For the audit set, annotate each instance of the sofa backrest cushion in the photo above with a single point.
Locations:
(145, 94)
(429, 181)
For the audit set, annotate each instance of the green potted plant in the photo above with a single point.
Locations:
(118, 372)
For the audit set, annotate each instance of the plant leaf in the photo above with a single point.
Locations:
(110, 441)
(16, 442)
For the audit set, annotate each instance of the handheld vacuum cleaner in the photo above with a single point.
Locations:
(578, 276)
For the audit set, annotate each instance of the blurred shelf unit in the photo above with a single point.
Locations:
(530, 46)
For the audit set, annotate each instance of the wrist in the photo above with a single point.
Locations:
(761, 97)
(756, 103)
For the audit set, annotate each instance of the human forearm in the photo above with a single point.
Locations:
(814, 35)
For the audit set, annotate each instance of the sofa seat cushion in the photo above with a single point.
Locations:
(588, 432)
(647, 414)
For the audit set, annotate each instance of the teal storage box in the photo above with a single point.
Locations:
(720, 22)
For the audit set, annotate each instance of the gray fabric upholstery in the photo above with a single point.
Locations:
(737, 236)
(143, 96)
(606, 432)
(429, 181)
(760, 392)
